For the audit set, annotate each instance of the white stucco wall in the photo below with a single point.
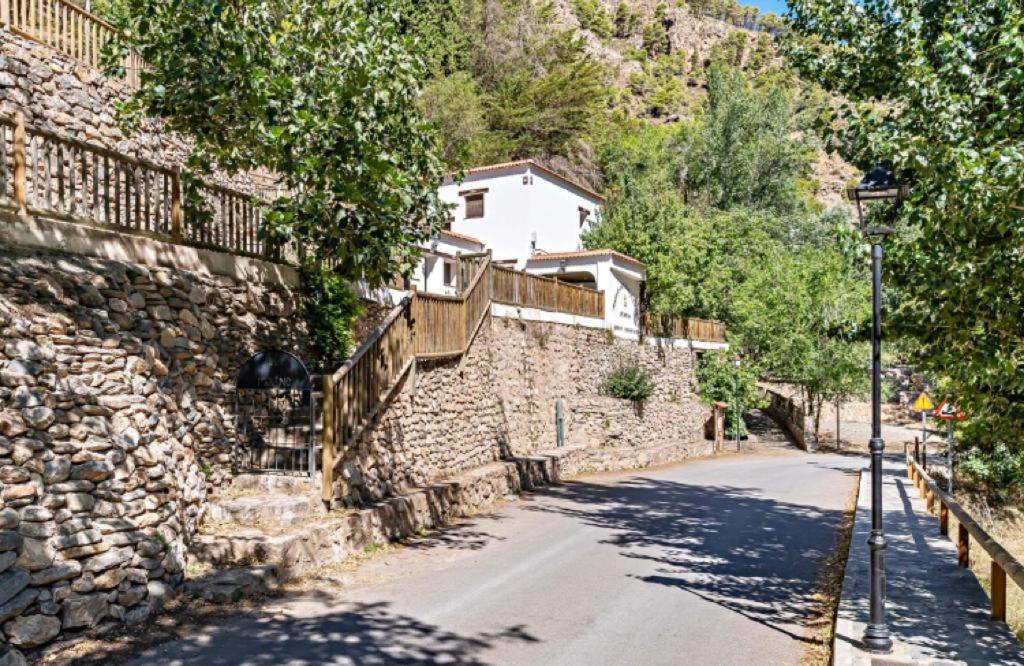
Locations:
(618, 279)
(429, 275)
(514, 212)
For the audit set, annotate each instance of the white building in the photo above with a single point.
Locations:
(436, 272)
(521, 209)
(619, 276)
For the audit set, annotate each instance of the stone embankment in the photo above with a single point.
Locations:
(114, 420)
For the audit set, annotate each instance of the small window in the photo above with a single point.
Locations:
(584, 216)
(449, 273)
(474, 206)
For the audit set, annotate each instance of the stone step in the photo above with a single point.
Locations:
(264, 509)
(330, 539)
(225, 586)
(274, 484)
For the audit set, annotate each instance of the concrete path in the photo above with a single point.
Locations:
(710, 562)
(937, 612)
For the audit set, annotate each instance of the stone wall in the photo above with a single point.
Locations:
(499, 403)
(59, 94)
(114, 420)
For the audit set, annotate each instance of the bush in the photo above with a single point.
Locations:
(331, 309)
(1001, 470)
(630, 382)
(720, 381)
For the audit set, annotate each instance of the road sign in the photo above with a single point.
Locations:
(923, 403)
(948, 411)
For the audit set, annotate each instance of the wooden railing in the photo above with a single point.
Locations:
(65, 27)
(686, 328)
(521, 289)
(48, 174)
(423, 326)
(1003, 563)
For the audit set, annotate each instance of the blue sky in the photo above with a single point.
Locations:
(777, 6)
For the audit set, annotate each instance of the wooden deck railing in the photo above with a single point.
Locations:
(57, 176)
(1003, 564)
(521, 289)
(423, 326)
(686, 328)
(65, 27)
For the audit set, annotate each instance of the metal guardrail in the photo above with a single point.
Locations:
(1004, 564)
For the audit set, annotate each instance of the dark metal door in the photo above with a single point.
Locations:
(276, 415)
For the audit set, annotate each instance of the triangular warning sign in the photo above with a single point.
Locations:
(948, 411)
(923, 403)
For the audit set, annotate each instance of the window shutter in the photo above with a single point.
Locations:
(474, 206)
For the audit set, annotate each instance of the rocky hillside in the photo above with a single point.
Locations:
(658, 51)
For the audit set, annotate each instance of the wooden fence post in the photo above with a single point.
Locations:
(963, 547)
(943, 519)
(176, 211)
(327, 482)
(998, 592)
(20, 185)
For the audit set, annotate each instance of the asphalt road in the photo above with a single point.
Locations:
(709, 562)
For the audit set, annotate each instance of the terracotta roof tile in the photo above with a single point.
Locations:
(579, 254)
(543, 169)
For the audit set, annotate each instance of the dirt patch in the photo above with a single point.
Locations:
(821, 629)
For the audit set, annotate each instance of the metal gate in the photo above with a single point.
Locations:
(276, 415)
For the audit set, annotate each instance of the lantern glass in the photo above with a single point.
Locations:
(878, 184)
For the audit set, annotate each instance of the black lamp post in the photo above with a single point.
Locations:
(879, 185)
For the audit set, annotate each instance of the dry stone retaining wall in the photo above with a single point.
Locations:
(58, 94)
(499, 403)
(114, 421)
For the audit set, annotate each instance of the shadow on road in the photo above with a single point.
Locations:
(752, 555)
(350, 633)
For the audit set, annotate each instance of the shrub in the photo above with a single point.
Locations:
(630, 382)
(331, 308)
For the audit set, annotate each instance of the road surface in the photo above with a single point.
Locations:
(709, 562)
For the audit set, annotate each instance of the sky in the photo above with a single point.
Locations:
(777, 6)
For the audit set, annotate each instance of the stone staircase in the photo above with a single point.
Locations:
(764, 433)
(265, 530)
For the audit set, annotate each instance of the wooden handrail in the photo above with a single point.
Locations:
(1004, 564)
(65, 178)
(375, 335)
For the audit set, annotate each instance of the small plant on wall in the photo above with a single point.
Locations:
(331, 308)
(630, 382)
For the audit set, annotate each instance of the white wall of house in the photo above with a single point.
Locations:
(431, 275)
(522, 204)
(619, 279)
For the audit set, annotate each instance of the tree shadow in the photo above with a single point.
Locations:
(347, 633)
(731, 546)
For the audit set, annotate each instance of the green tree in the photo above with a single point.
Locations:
(593, 17)
(937, 90)
(719, 380)
(745, 155)
(453, 105)
(324, 95)
(626, 21)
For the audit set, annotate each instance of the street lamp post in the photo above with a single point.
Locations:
(878, 185)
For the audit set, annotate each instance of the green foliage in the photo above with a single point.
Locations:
(454, 106)
(630, 382)
(331, 309)
(321, 94)
(626, 21)
(1000, 469)
(745, 154)
(523, 87)
(730, 51)
(719, 380)
(593, 17)
(655, 39)
(937, 90)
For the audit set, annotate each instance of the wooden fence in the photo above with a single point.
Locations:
(686, 328)
(521, 289)
(65, 27)
(1003, 564)
(47, 174)
(423, 326)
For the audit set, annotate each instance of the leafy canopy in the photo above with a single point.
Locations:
(937, 90)
(323, 94)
